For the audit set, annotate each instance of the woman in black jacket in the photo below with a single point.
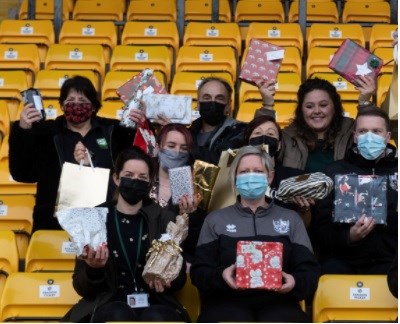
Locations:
(110, 278)
(39, 148)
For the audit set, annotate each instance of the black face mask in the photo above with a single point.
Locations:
(133, 190)
(212, 112)
(272, 143)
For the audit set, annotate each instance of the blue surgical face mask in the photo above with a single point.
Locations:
(170, 159)
(370, 145)
(251, 185)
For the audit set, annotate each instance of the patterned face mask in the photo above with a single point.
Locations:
(77, 113)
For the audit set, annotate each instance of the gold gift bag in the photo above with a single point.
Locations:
(223, 193)
(82, 186)
(204, 177)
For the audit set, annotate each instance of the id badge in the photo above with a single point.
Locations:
(138, 300)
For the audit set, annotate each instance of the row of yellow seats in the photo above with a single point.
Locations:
(195, 10)
(50, 261)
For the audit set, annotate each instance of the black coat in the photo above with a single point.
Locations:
(37, 155)
(99, 289)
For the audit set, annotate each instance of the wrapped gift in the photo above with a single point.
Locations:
(204, 177)
(146, 140)
(358, 195)
(177, 108)
(164, 259)
(259, 265)
(262, 62)
(352, 60)
(181, 183)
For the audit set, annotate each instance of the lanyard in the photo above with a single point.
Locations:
(139, 245)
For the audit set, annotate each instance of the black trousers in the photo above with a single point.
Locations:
(118, 311)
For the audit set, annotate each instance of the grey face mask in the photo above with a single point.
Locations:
(170, 159)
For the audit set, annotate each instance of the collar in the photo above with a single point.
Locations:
(353, 156)
(261, 211)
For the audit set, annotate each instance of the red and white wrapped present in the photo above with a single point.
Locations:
(262, 62)
(259, 265)
(352, 60)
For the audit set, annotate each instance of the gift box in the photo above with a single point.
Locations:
(204, 177)
(262, 62)
(352, 60)
(357, 195)
(259, 265)
(181, 183)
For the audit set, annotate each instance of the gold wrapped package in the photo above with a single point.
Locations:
(204, 177)
(164, 259)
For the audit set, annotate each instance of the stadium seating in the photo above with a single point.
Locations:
(283, 34)
(38, 32)
(386, 54)
(382, 89)
(366, 12)
(152, 33)
(346, 90)
(189, 297)
(50, 251)
(99, 10)
(318, 60)
(266, 11)
(152, 10)
(354, 298)
(37, 297)
(9, 257)
(4, 120)
(11, 85)
(103, 33)
(200, 10)
(316, 12)
(381, 36)
(111, 109)
(44, 10)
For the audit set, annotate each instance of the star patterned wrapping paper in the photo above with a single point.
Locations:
(352, 60)
(259, 265)
(262, 62)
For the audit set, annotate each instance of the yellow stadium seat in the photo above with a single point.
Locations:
(282, 34)
(9, 257)
(16, 215)
(383, 84)
(11, 85)
(213, 34)
(111, 109)
(4, 120)
(50, 251)
(76, 57)
(137, 58)
(200, 10)
(360, 298)
(253, 11)
(103, 33)
(346, 89)
(286, 89)
(350, 109)
(37, 297)
(152, 33)
(386, 54)
(24, 57)
(316, 12)
(207, 59)
(318, 60)
(49, 82)
(381, 36)
(247, 110)
(368, 12)
(98, 10)
(333, 35)
(189, 297)
(44, 10)
(152, 10)
(38, 32)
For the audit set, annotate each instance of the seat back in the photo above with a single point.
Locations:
(367, 12)
(103, 33)
(346, 90)
(318, 60)
(9, 257)
(353, 298)
(189, 297)
(39, 32)
(99, 10)
(317, 11)
(386, 54)
(383, 85)
(251, 11)
(283, 34)
(153, 10)
(44, 10)
(4, 120)
(37, 296)
(50, 251)
(381, 36)
(111, 109)
(11, 85)
(200, 10)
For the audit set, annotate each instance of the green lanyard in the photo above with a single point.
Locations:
(139, 245)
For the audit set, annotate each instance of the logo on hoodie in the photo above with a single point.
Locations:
(231, 228)
(281, 226)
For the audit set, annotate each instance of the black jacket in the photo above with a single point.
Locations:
(37, 155)
(98, 288)
(332, 239)
(227, 135)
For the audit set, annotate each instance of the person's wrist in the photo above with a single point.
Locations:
(268, 105)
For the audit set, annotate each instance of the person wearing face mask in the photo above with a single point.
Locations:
(109, 277)
(215, 131)
(39, 148)
(252, 217)
(363, 247)
(175, 142)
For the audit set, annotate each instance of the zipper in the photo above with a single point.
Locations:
(254, 224)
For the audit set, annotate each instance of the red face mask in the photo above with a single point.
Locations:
(77, 113)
